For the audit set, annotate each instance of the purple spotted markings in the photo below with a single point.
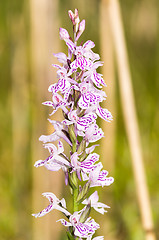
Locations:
(82, 230)
(78, 95)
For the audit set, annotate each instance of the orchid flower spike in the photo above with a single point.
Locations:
(78, 95)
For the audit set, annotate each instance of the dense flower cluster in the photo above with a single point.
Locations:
(78, 93)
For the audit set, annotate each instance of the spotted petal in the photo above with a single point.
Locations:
(54, 201)
(87, 99)
(41, 163)
(84, 122)
(104, 113)
(88, 45)
(83, 230)
(88, 164)
(97, 79)
(99, 178)
(93, 133)
(70, 45)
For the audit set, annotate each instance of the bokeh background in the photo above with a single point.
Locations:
(28, 39)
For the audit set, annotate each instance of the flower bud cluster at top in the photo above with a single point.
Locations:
(78, 93)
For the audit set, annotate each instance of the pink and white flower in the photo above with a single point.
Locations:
(104, 113)
(85, 167)
(93, 133)
(93, 201)
(82, 230)
(90, 96)
(84, 56)
(99, 178)
(82, 123)
(54, 204)
(93, 76)
(57, 134)
(56, 103)
(55, 161)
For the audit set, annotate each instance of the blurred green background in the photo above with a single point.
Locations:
(25, 74)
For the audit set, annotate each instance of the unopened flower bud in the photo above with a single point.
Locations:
(77, 20)
(74, 18)
(63, 34)
(85, 214)
(71, 16)
(73, 181)
(72, 133)
(81, 147)
(83, 193)
(82, 156)
(80, 29)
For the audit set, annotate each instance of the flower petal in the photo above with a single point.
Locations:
(88, 45)
(60, 147)
(61, 57)
(71, 45)
(49, 138)
(64, 222)
(81, 29)
(84, 122)
(104, 113)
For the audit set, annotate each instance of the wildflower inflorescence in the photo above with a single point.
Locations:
(78, 94)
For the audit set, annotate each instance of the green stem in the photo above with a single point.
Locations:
(74, 146)
(75, 204)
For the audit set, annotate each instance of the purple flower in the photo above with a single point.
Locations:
(56, 103)
(88, 164)
(82, 230)
(84, 56)
(94, 77)
(54, 162)
(85, 166)
(62, 85)
(99, 178)
(82, 123)
(104, 113)
(54, 204)
(56, 135)
(93, 201)
(93, 133)
(90, 96)
(70, 92)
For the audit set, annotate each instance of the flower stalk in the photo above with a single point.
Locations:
(78, 94)
(75, 203)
